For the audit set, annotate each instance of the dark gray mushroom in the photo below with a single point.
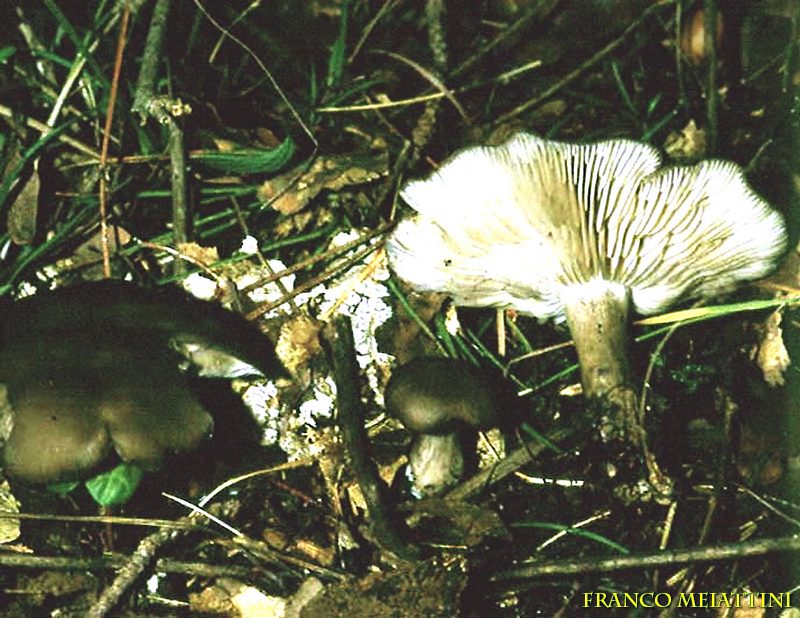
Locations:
(582, 233)
(442, 401)
(217, 342)
(68, 423)
(92, 371)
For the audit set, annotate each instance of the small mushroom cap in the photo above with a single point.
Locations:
(433, 395)
(527, 223)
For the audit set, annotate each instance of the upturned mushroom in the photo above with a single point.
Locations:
(443, 402)
(583, 233)
(91, 372)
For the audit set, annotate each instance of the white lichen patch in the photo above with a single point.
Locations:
(301, 434)
(294, 431)
(200, 286)
(261, 398)
(249, 245)
(365, 302)
(272, 291)
(358, 292)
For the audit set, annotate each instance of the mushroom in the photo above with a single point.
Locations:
(67, 420)
(216, 342)
(439, 400)
(583, 233)
(92, 371)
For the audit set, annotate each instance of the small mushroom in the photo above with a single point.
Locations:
(92, 371)
(441, 401)
(582, 233)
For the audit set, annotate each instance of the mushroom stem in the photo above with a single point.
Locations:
(597, 314)
(436, 462)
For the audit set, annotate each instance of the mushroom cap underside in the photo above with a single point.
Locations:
(526, 223)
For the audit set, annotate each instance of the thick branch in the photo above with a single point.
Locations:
(339, 339)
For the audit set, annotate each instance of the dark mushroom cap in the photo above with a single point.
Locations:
(55, 436)
(204, 332)
(92, 370)
(433, 395)
(69, 418)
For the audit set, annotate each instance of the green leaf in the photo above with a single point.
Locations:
(587, 534)
(62, 489)
(6, 53)
(11, 176)
(652, 104)
(116, 486)
(249, 160)
(623, 91)
(336, 60)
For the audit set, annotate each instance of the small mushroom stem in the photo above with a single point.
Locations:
(436, 461)
(598, 320)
